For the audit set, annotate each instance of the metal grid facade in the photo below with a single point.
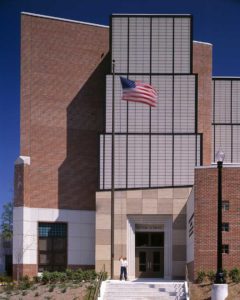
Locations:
(226, 118)
(154, 147)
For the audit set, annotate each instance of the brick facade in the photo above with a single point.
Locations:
(202, 65)
(205, 228)
(63, 67)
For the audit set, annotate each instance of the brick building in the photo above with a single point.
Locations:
(62, 213)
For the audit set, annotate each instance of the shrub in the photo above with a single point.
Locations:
(89, 275)
(24, 283)
(9, 287)
(36, 279)
(201, 276)
(234, 274)
(4, 278)
(225, 274)
(211, 275)
(46, 277)
(69, 273)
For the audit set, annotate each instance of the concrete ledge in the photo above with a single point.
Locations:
(23, 160)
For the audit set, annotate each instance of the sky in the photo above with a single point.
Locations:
(214, 21)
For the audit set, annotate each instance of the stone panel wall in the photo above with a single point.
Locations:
(162, 202)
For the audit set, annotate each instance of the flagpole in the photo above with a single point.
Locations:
(113, 171)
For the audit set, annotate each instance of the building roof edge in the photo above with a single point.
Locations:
(63, 19)
(214, 166)
(225, 77)
(205, 43)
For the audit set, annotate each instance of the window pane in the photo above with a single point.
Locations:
(142, 261)
(45, 258)
(52, 229)
(141, 239)
(59, 259)
(59, 244)
(157, 239)
(45, 244)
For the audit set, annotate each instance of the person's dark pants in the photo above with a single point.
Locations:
(123, 273)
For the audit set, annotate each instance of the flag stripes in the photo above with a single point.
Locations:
(138, 92)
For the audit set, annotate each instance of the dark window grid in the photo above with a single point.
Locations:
(225, 249)
(225, 205)
(52, 229)
(225, 227)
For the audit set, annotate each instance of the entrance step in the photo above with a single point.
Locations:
(141, 290)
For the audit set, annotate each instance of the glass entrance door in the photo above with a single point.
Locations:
(149, 254)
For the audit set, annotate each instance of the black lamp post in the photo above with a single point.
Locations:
(219, 275)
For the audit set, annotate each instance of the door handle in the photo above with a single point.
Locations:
(150, 265)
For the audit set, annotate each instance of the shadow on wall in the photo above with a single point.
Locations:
(78, 176)
(179, 251)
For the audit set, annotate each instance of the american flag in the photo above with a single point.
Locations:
(138, 92)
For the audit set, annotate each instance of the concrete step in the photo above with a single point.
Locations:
(131, 290)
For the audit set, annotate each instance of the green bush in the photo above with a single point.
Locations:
(76, 276)
(201, 276)
(234, 275)
(89, 275)
(25, 283)
(69, 274)
(36, 279)
(211, 275)
(4, 278)
(225, 274)
(45, 277)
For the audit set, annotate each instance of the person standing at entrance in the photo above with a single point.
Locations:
(124, 265)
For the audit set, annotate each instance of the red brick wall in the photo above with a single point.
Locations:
(63, 67)
(202, 65)
(205, 248)
(21, 270)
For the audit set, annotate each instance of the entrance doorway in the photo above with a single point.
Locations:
(149, 254)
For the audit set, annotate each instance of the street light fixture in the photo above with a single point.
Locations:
(219, 275)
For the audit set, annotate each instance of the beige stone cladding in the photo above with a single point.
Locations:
(168, 204)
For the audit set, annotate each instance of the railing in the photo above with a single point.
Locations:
(95, 290)
(187, 281)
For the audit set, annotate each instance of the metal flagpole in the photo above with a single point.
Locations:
(112, 172)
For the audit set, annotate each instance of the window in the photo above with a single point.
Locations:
(225, 249)
(225, 226)
(52, 247)
(149, 239)
(225, 205)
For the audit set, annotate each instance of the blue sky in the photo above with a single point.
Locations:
(215, 21)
